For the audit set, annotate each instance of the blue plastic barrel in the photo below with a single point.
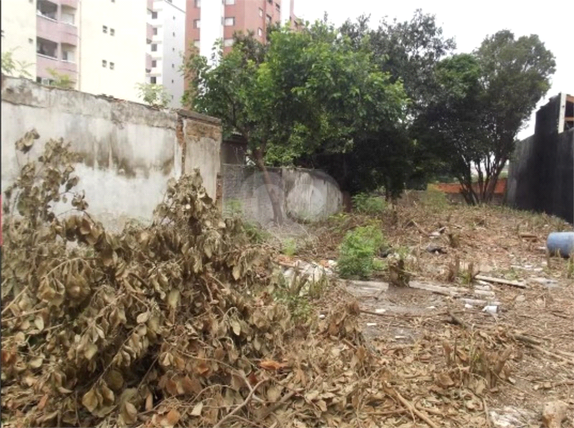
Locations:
(561, 243)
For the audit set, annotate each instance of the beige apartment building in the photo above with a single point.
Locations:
(100, 44)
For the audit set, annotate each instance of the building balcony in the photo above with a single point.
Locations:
(55, 31)
(149, 32)
(148, 60)
(150, 5)
(70, 3)
(44, 63)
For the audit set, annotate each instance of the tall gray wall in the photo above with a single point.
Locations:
(541, 173)
(305, 194)
(129, 150)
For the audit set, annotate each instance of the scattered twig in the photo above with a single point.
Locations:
(488, 422)
(413, 409)
(241, 406)
(501, 281)
(456, 320)
(275, 406)
(527, 339)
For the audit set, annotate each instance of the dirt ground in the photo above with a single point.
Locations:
(462, 365)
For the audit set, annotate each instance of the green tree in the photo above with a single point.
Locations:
(306, 92)
(483, 101)
(153, 94)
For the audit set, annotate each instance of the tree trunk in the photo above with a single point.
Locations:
(273, 196)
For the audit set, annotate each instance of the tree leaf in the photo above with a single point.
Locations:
(90, 400)
(196, 411)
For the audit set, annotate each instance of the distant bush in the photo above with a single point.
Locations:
(358, 250)
(367, 204)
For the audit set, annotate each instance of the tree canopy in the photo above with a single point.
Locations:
(307, 92)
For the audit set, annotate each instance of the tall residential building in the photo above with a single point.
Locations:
(100, 44)
(210, 20)
(166, 21)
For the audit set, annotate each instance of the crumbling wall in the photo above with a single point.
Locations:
(541, 174)
(305, 194)
(129, 150)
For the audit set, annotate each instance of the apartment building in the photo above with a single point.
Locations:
(98, 43)
(210, 20)
(166, 23)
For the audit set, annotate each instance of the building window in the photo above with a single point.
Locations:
(172, 82)
(112, 65)
(197, 3)
(259, 32)
(68, 54)
(229, 2)
(196, 44)
(277, 7)
(154, 47)
(112, 32)
(228, 42)
(104, 63)
(154, 63)
(155, 31)
(153, 79)
(268, 19)
(172, 66)
(154, 15)
(105, 29)
(261, 12)
(270, 1)
(229, 22)
(46, 48)
(196, 23)
(174, 34)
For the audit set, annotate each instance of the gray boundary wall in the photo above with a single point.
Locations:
(305, 194)
(541, 174)
(129, 150)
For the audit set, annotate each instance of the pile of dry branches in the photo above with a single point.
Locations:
(167, 325)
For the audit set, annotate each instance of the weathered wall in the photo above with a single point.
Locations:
(541, 174)
(129, 150)
(305, 194)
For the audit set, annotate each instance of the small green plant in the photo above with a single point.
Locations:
(358, 250)
(255, 233)
(289, 247)
(434, 199)
(12, 67)
(364, 203)
(61, 80)
(234, 208)
(153, 94)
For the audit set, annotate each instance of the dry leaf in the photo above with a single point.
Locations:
(39, 322)
(273, 393)
(272, 365)
(42, 402)
(36, 363)
(173, 417)
(149, 402)
(129, 413)
(90, 400)
(143, 317)
(196, 411)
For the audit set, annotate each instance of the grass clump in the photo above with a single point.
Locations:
(358, 250)
(364, 203)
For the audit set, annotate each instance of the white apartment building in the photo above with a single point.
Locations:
(19, 32)
(167, 20)
(100, 44)
(112, 47)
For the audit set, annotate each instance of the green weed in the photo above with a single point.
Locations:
(364, 203)
(358, 250)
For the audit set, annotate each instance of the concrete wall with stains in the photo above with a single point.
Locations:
(129, 150)
(305, 194)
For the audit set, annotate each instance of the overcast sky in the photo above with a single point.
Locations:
(470, 22)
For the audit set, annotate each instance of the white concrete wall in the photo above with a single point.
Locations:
(129, 150)
(211, 25)
(126, 49)
(19, 30)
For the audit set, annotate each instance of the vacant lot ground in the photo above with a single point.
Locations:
(457, 363)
